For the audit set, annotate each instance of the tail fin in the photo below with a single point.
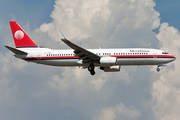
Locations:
(21, 39)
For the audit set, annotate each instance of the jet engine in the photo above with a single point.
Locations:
(111, 68)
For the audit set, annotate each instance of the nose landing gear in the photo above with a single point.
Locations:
(158, 69)
(160, 65)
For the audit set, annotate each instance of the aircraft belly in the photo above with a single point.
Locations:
(120, 61)
(142, 61)
(68, 62)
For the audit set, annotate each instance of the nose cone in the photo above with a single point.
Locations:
(172, 57)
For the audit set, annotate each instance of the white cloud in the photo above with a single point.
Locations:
(72, 93)
(118, 112)
(75, 78)
(8, 93)
(9, 64)
(166, 90)
(109, 23)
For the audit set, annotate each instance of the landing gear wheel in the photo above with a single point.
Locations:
(92, 72)
(91, 67)
(158, 69)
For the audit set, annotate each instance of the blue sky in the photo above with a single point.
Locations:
(31, 91)
(38, 12)
(168, 10)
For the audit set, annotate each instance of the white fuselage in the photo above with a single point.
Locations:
(130, 56)
(109, 60)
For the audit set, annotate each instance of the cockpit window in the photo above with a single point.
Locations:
(165, 53)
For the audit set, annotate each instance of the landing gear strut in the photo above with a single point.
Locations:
(160, 65)
(91, 69)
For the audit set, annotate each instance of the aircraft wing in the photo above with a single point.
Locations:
(82, 53)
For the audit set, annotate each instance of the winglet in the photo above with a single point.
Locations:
(61, 35)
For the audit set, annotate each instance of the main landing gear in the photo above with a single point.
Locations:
(91, 69)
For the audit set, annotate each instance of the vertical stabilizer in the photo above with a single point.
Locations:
(21, 39)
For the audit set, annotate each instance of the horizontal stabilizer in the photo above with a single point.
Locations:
(16, 51)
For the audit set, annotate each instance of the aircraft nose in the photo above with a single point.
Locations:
(173, 57)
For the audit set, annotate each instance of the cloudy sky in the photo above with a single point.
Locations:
(37, 92)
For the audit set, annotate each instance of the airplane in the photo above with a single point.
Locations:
(109, 60)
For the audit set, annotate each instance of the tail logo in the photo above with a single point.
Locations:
(19, 35)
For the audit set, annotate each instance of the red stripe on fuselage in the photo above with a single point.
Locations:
(118, 56)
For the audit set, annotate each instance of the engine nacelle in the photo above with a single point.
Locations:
(108, 60)
(111, 68)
